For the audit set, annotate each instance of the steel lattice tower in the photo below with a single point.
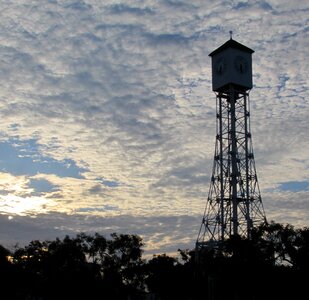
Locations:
(234, 205)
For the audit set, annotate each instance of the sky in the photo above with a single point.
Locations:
(108, 121)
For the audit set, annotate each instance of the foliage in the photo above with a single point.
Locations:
(274, 262)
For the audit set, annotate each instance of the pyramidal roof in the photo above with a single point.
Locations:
(231, 44)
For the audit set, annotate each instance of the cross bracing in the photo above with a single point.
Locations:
(234, 205)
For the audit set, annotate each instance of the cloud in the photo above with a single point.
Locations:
(106, 108)
(171, 232)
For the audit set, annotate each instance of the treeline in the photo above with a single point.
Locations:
(274, 264)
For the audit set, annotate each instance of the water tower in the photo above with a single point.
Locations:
(234, 205)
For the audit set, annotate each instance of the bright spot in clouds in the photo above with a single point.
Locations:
(12, 204)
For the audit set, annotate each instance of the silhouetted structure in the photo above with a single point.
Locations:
(234, 205)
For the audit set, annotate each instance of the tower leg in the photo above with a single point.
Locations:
(234, 202)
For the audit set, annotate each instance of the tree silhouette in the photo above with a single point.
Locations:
(80, 267)
(273, 264)
(264, 267)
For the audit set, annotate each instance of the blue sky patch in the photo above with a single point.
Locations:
(41, 186)
(24, 158)
(294, 186)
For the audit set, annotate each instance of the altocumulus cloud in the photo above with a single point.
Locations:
(108, 119)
